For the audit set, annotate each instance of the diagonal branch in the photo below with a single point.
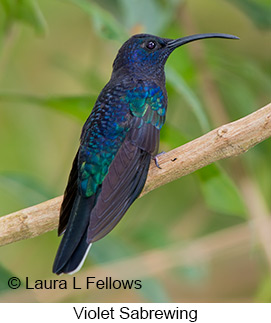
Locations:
(229, 140)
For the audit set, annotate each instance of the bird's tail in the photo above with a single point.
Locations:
(74, 248)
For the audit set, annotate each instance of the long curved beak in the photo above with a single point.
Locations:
(174, 43)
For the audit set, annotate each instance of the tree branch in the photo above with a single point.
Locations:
(229, 140)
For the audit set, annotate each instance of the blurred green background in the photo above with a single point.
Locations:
(194, 240)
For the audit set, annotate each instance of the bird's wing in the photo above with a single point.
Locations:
(121, 186)
(128, 171)
(69, 197)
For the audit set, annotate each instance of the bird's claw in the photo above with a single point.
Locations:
(155, 158)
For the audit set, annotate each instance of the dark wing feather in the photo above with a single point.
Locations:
(121, 186)
(76, 260)
(125, 179)
(145, 136)
(69, 197)
(73, 245)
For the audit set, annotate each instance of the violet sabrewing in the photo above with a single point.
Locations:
(117, 143)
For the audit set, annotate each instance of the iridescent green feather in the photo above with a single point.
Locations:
(147, 104)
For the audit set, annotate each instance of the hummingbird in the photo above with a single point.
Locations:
(118, 141)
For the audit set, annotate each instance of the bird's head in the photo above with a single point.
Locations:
(147, 54)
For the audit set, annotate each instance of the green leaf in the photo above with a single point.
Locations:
(172, 137)
(219, 191)
(110, 249)
(5, 275)
(193, 274)
(76, 106)
(154, 291)
(258, 10)
(263, 294)
(180, 86)
(26, 188)
(152, 16)
(104, 22)
(25, 11)
(256, 74)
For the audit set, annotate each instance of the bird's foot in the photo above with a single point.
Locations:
(155, 158)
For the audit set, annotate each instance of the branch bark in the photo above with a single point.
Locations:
(229, 140)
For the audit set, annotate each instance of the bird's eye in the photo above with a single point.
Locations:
(151, 44)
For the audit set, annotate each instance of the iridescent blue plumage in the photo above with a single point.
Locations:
(117, 143)
(108, 124)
